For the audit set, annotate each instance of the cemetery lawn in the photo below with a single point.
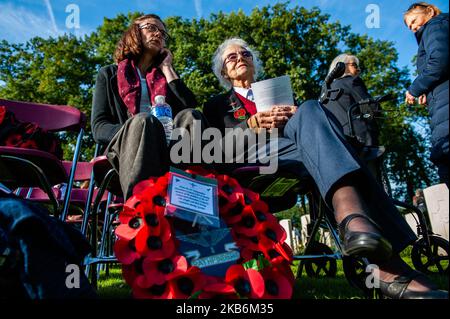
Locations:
(113, 286)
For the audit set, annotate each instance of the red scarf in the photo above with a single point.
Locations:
(129, 85)
(250, 106)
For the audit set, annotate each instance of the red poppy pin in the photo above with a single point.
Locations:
(239, 114)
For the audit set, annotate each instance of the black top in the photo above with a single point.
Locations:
(109, 112)
(220, 111)
(352, 90)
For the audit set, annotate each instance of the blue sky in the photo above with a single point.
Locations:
(22, 19)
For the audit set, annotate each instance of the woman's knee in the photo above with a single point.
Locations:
(188, 117)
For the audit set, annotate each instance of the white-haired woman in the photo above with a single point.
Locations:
(347, 90)
(312, 143)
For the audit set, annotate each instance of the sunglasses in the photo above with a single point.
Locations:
(153, 29)
(233, 57)
(353, 64)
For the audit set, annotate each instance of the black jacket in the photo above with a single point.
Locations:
(220, 111)
(352, 90)
(432, 79)
(109, 112)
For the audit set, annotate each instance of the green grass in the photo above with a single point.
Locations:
(113, 286)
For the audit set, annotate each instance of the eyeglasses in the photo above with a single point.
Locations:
(233, 57)
(153, 29)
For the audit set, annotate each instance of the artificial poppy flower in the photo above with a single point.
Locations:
(130, 229)
(249, 196)
(125, 251)
(275, 252)
(153, 200)
(155, 247)
(252, 218)
(249, 254)
(184, 284)
(248, 225)
(277, 286)
(229, 188)
(143, 185)
(153, 292)
(129, 210)
(157, 272)
(271, 230)
(247, 283)
(132, 272)
(231, 212)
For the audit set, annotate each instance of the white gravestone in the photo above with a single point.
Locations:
(324, 236)
(287, 225)
(436, 198)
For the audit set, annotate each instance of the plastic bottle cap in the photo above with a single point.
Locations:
(160, 99)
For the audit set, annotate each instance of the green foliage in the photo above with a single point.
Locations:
(293, 41)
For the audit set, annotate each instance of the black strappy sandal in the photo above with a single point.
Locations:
(364, 244)
(398, 289)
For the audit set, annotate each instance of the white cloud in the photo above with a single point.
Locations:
(20, 24)
(51, 15)
(198, 8)
(17, 24)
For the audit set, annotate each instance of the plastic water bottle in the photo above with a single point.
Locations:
(163, 112)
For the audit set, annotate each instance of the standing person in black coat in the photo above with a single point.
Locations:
(350, 89)
(430, 87)
(124, 94)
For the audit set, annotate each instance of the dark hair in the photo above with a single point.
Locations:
(130, 45)
(421, 6)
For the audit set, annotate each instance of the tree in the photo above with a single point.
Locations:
(293, 41)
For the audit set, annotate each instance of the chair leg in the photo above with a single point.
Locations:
(94, 223)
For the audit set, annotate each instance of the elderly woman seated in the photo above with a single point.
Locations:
(311, 141)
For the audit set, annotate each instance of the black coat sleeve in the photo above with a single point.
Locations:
(182, 96)
(435, 39)
(104, 126)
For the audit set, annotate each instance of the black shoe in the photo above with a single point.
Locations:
(398, 289)
(364, 244)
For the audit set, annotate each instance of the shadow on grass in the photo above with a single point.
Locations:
(114, 287)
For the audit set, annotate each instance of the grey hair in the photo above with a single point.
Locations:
(344, 57)
(217, 62)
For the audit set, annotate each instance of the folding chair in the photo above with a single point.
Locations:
(107, 179)
(34, 168)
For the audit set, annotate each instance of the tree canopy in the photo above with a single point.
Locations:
(294, 41)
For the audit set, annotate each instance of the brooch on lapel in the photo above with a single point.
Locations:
(238, 112)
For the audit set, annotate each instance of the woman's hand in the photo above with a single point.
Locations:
(168, 59)
(276, 117)
(166, 65)
(410, 99)
(423, 99)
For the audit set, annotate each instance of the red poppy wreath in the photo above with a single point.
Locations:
(154, 267)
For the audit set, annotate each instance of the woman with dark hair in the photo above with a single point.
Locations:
(312, 142)
(124, 94)
(430, 87)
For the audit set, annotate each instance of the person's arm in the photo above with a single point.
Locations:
(436, 70)
(183, 94)
(103, 126)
